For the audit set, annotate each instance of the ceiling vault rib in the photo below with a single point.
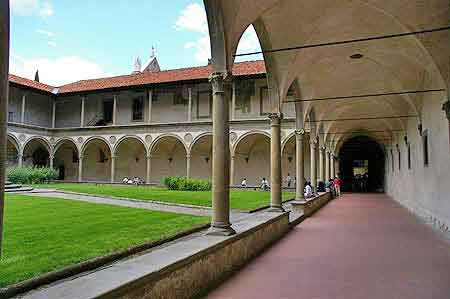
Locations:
(364, 118)
(351, 41)
(366, 95)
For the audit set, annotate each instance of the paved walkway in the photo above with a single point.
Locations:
(362, 246)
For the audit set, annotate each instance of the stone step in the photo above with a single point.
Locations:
(22, 189)
(12, 186)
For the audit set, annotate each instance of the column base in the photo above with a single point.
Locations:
(275, 209)
(220, 231)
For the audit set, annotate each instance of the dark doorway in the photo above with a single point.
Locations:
(362, 165)
(108, 106)
(40, 157)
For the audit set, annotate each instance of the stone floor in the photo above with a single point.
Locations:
(362, 246)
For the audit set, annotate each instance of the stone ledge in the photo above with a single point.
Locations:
(309, 207)
(178, 270)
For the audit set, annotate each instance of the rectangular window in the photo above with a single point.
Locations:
(425, 148)
(264, 101)
(138, 109)
(204, 104)
(108, 106)
(409, 156)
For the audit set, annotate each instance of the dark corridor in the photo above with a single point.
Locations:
(361, 165)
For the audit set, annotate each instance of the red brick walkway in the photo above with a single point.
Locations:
(362, 246)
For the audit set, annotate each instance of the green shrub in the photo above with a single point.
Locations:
(186, 184)
(31, 175)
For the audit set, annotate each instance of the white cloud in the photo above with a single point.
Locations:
(45, 32)
(51, 44)
(193, 18)
(31, 8)
(57, 71)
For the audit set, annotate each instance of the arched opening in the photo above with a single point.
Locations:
(252, 159)
(66, 160)
(168, 158)
(201, 158)
(12, 153)
(36, 153)
(130, 159)
(289, 163)
(361, 165)
(96, 161)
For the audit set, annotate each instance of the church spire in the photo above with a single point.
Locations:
(36, 76)
(137, 65)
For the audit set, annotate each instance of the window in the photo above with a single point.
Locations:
(74, 156)
(101, 156)
(138, 109)
(245, 89)
(204, 104)
(409, 156)
(264, 101)
(108, 106)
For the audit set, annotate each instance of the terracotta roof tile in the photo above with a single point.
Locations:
(185, 74)
(30, 83)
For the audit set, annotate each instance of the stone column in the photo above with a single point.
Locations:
(220, 224)
(232, 170)
(190, 105)
(83, 100)
(312, 144)
(80, 168)
(188, 166)
(51, 160)
(20, 160)
(321, 164)
(275, 163)
(115, 110)
(233, 102)
(150, 103)
(4, 67)
(333, 174)
(300, 167)
(22, 114)
(327, 165)
(149, 169)
(54, 114)
(113, 168)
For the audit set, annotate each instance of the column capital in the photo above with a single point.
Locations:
(275, 119)
(188, 156)
(301, 132)
(446, 108)
(218, 80)
(149, 156)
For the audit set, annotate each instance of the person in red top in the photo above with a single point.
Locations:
(337, 186)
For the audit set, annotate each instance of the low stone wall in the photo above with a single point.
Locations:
(189, 277)
(309, 207)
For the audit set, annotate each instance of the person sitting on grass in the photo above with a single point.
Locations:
(264, 184)
(244, 183)
(136, 181)
(125, 180)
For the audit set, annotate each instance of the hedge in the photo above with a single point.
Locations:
(31, 175)
(186, 184)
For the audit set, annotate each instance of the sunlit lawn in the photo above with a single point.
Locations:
(44, 234)
(240, 199)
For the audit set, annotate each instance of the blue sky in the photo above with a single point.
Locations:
(74, 40)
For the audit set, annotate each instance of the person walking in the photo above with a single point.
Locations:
(288, 180)
(337, 186)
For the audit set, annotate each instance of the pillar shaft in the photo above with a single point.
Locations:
(220, 224)
(327, 165)
(115, 110)
(300, 167)
(232, 171)
(233, 102)
(149, 169)
(190, 105)
(113, 168)
(321, 164)
(51, 161)
(150, 104)
(313, 164)
(80, 168)
(54, 114)
(22, 112)
(83, 100)
(188, 166)
(20, 160)
(333, 174)
(275, 162)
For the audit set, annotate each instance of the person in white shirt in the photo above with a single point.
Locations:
(244, 182)
(289, 180)
(264, 184)
(308, 190)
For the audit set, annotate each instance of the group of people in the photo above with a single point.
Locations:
(135, 181)
(334, 186)
(264, 184)
(360, 183)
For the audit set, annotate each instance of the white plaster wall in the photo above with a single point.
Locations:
(38, 110)
(160, 165)
(15, 104)
(424, 189)
(255, 109)
(164, 110)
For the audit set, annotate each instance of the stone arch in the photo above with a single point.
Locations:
(66, 159)
(248, 156)
(131, 156)
(37, 151)
(96, 154)
(200, 153)
(168, 155)
(13, 151)
(243, 136)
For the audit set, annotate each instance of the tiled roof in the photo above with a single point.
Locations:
(177, 75)
(30, 83)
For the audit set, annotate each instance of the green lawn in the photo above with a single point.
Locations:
(241, 200)
(44, 234)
